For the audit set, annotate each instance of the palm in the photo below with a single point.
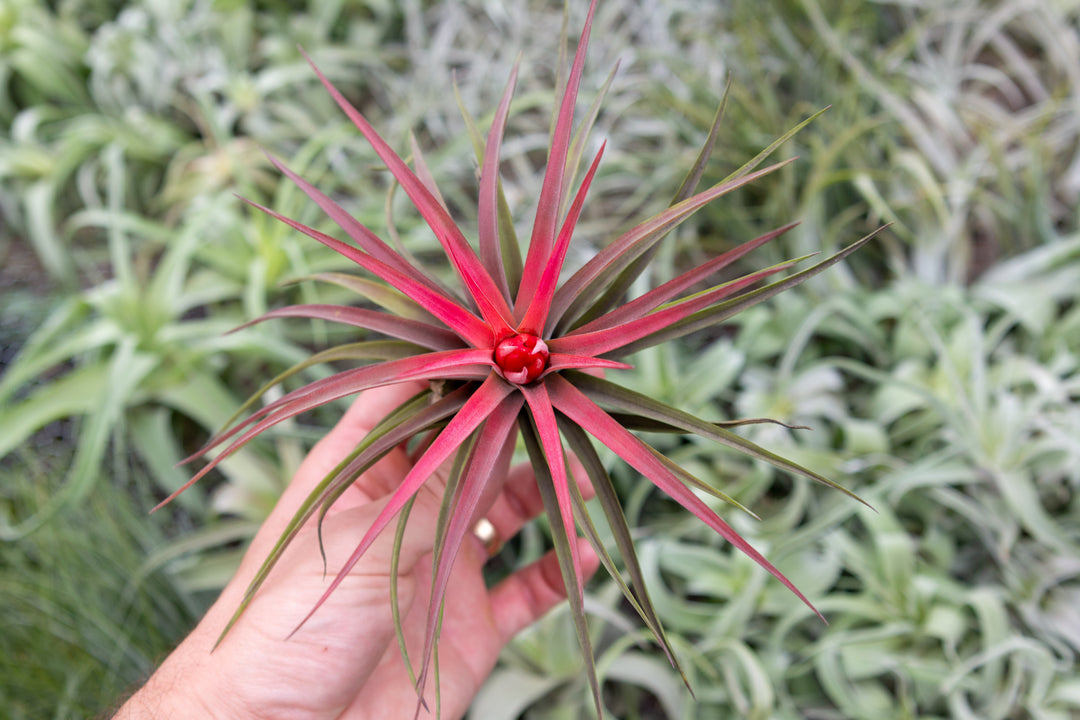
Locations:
(469, 645)
(344, 661)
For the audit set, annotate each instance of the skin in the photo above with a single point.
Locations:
(345, 661)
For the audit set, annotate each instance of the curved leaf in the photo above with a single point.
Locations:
(638, 597)
(725, 310)
(577, 293)
(428, 336)
(578, 407)
(615, 396)
(413, 416)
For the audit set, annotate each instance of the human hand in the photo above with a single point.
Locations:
(345, 661)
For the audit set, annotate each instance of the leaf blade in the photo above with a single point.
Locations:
(488, 211)
(476, 409)
(719, 313)
(468, 266)
(575, 295)
(606, 392)
(570, 401)
(547, 210)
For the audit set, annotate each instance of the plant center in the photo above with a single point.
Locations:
(521, 358)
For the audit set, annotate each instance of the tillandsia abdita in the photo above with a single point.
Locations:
(514, 351)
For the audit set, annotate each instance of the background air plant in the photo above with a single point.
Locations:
(513, 352)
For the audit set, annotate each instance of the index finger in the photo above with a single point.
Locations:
(370, 407)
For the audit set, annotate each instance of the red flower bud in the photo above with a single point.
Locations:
(521, 358)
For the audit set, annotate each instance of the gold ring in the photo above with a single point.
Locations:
(488, 536)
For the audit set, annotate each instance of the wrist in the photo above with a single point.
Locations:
(155, 702)
(178, 690)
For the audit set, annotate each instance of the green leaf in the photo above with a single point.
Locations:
(725, 310)
(618, 287)
(395, 604)
(749, 166)
(693, 175)
(411, 417)
(609, 501)
(127, 369)
(561, 537)
(581, 136)
(76, 393)
(607, 393)
(59, 339)
(489, 208)
(382, 295)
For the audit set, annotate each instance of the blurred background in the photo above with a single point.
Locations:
(938, 369)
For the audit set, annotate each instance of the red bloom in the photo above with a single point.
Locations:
(521, 358)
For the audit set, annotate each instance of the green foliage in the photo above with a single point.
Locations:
(952, 599)
(955, 121)
(88, 614)
(181, 93)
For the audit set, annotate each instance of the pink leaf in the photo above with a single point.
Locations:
(575, 405)
(477, 281)
(464, 323)
(720, 312)
(423, 172)
(543, 235)
(586, 283)
(462, 364)
(478, 408)
(543, 414)
(536, 316)
(603, 341)
(653, 299)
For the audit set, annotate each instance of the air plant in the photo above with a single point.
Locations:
(514, 352)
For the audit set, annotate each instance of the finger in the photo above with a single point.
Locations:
(524, 597)
(520, 501)
(367, 410)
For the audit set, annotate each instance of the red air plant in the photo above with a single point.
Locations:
(518, 352)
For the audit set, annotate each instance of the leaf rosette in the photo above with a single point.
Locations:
(515, 352)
